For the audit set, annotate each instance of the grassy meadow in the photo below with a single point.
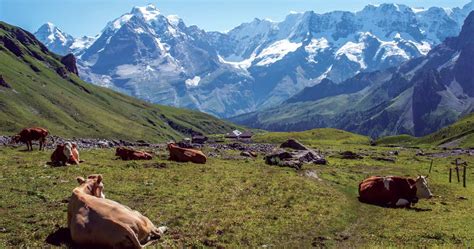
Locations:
(459, 134)
(239, 202)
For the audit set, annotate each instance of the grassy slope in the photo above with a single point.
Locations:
(462, 130)
(66, 108)
(241, 203)
(325, 137)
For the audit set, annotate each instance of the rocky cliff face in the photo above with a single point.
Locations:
(69, 62)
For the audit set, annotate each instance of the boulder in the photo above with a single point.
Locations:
(293, 144)
(293, 159)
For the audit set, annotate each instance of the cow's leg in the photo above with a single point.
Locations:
(29, 145)
(402, 203)
(43, 143)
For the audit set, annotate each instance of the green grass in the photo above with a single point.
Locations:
(70, 107)
(461, 134)
(325, 137)
(396, 140)
(241, 202)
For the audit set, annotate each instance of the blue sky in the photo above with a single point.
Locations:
(88, 17)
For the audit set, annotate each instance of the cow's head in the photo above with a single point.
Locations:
(422, 189)
(119, 151)
(171, 145)
(16, 139)
(93, 185)
(148, 156)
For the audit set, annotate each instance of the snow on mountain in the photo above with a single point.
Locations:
(158, 58)
(56, 40)
(257, 64)
(276, 52)
(418, 97)
(60, 42)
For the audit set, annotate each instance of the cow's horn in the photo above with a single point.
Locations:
(99, 178)
(80, 180)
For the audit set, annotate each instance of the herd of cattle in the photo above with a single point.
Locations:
(95, 220)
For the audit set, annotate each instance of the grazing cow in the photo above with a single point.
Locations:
(127, 154)
(28, 135)
(99, 222)
(185, 155)
(393, 191)
(65, 154)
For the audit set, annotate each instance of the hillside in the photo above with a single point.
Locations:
(315, 137)
(40, 90)
(459, 134)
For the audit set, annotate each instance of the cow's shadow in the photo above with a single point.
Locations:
(416, 209)
(62, 237)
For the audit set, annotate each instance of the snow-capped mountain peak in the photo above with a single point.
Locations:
(50, 33)
(55, 39)
(60, 42)
(259, 63)
(148, 13)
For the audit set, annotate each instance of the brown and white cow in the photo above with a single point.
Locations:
(127, 154)
(65, 154)
(28, 135)
(393, 191)
(179, 154)
(99, 222)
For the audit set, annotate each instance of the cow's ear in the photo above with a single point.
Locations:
(99, 178)
(80, 180)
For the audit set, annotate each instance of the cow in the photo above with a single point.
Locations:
(393, 191)
(28, 135)
(95, 221)
(65, 154)
(127, 154)
(179, 154)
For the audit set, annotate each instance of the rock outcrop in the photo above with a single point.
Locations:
(69, 61)
(294, 158)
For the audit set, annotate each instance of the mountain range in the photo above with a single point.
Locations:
(418, 97)
(257, 65)
(40, 88)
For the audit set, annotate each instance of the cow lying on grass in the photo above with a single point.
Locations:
(28, 135)
(393, 191)
(127, 154)
(179, 154)
(99, 222)
(65, 154)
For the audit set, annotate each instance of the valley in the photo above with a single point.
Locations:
(343, 129)
(242, 202)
